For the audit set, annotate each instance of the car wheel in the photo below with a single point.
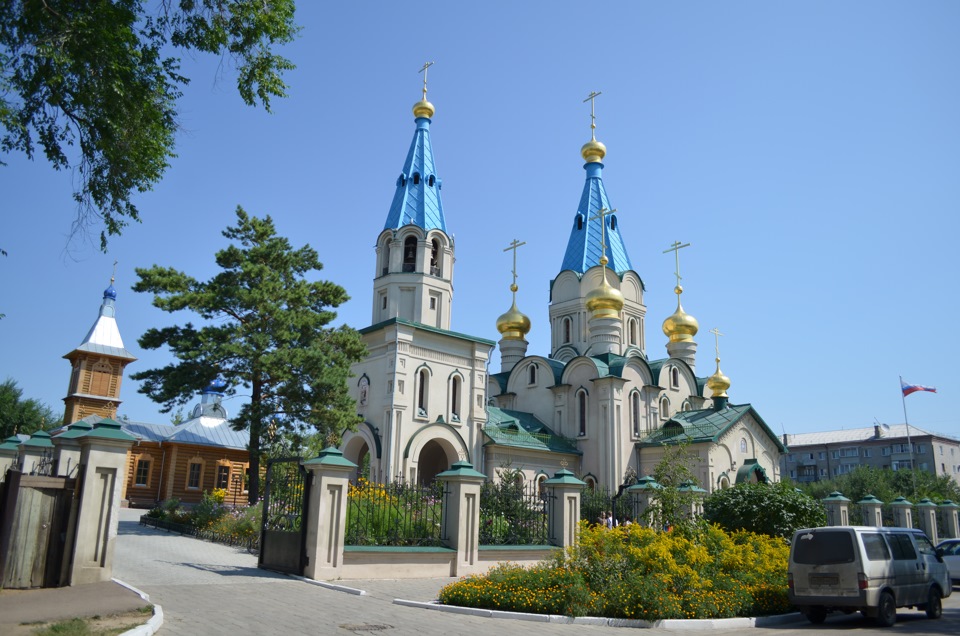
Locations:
(934, 606)
(886, 610)
(817, 614)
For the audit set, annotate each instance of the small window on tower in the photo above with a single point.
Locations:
(430, 181)
(433, 302)
(613, 222)
(579, 221)
(416, 178)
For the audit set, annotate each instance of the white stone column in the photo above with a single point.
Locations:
(564, 490)
(9, 450)
(461, 515)
(871, 506)
(327, 522)
(951, 522)
(103, 461)
(902, 512)
(642, 495)
(927, 511)
(838, 509)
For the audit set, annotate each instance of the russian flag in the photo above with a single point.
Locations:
(913, 388)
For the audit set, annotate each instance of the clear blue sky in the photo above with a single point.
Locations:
(809, 152)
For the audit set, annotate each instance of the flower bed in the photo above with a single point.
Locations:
(637, 573)
(210, 520)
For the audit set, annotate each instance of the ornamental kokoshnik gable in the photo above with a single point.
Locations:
(595, 403)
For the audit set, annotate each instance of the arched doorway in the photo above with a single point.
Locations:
(432, 462)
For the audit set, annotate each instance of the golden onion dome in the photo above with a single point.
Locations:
(514, 324)
(593, 151)
(718, 383)
(680, 326)
(604, 301)
(423, 108)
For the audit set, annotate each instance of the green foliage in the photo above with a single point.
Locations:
(100, 77)
(510, 512)
(18, 415)
(209, 511)
(671, 508)
(394, 515)
(265, 330)
(886, 485)
(638, 573)
(777, 509)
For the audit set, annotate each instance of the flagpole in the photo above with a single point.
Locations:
(913, 468)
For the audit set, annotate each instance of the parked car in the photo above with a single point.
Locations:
(951, 556)
(873, 570)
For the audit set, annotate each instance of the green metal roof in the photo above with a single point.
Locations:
(704, 425)
(518, 429)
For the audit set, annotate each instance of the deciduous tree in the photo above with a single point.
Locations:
(18, 415)
(776, 509)
(266, 330)
(103, 77)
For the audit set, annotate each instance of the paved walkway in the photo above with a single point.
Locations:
(206, 588)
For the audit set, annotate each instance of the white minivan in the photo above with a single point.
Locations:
(873, 570)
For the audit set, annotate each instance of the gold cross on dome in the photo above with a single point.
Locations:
(601, 214)
(717, 334)
(675, 247)
(423, 70)
(593, 117)
(114, 276)
(513, 246)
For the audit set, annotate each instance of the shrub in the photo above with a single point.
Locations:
(772, 509)
(636, 572)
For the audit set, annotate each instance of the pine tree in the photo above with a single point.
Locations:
(265, 331)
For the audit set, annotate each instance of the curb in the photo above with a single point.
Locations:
(330, 586)
(674, 624)
(153, 625)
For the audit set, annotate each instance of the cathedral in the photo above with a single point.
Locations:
(595, 404)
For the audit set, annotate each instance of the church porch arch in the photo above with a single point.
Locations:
(432, 450)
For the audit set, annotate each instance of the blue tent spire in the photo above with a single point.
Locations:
(583, 247)
(417, 199)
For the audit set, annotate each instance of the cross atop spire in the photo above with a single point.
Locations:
(423, 70)
(601, 215)
(716, 333)
(514, 246)
(675, 247)
(592, 97)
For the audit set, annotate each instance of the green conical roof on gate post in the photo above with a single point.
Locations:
(108, 429)
(40, 439)
(11, 443)
(330, 457)
(461, 468)
(564, 477)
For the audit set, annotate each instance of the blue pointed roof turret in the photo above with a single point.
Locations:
(583, 246)
(417, 199)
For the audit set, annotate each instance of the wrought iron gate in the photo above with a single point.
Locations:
(283, 534)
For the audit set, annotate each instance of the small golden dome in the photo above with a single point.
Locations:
(423, 108)
(593, 151)
(680, 326)
(514, 324)
(605, 301)
(718, 383)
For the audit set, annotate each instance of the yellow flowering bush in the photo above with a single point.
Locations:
(636, 572)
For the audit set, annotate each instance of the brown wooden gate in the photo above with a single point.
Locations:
(34, 515)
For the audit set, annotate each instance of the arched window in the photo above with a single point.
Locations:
(567, 330)
(582, 412)
(541, 486)
(635, 411)
(410, 254)
(664, 408)
(579, 221)
(743, 445)
(455, 399)
(686, 406)
(591, 482)
(532, 374)
(674, 377)
(633, 332)
(385, 269)
(430, 181)
(416, 178)
(613, 221)
(423, 378)
(435, 257)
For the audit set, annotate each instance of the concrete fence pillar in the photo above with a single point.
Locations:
(564, 490)
(950, 519)
(461, 515)
(838, 509)
(642, 495)
(871, 507)
(93, 528)
(927, 511)
(697, 495)
(9, 450)
(330, 475)
(902, 512)
(36, 454)
(66, 449)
